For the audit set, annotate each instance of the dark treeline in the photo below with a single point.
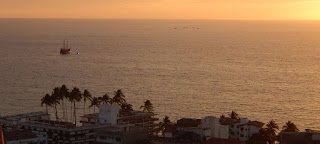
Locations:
(267, 134)
(69, 99)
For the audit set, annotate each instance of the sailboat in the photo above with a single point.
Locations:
(65, 49)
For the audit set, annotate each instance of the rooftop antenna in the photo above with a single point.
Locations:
(67, 41)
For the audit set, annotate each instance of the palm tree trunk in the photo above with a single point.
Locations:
(71, 119)
(62, 108)
(53, 110)
(75, 116)
(55, 107)
(84, 107)
(47, 108)
(66, 112)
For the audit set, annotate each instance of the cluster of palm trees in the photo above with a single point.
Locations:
(119, 98)
(62, 95)
(267, 134)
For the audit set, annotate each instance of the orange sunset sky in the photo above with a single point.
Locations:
(163, 9)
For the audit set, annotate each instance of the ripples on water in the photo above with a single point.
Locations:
(263, 70)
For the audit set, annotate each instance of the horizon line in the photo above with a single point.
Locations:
(163, 19)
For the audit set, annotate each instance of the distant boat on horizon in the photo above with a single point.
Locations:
(65, 48)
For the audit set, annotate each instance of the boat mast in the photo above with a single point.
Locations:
(64, 44)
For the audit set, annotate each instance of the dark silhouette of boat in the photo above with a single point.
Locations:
(65, 49)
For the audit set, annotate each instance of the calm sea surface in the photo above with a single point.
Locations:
(261, 69)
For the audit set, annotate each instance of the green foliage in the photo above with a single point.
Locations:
(147, 106)
(95, 103)
(266, 135)
(270, 131)
(118, 97)
(60, 94)
(126, 106)
(290, 127)
(164, 124)
(258, 138)
(86, 95)
(105, 99)
(234, 115)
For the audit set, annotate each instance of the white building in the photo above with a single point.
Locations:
(108, 114)
(111, 114)
(241, 129)
(213, 129)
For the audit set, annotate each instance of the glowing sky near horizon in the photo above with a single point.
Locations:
(163, 9)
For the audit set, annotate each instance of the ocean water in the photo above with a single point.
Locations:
(263, 70)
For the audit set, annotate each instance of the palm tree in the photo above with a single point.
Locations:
(105, 99)
(272, 124)
(64, 91)
(70, 99)
(95, 103)
(46, 100)
(164, 124)
(234, 115)
(147, 106)
(290, 127)
(56, 94)
(75, 96)
(258, 138)
(125, 106)
(86, 95)
(265, 135)
(118, 97)
(271, 129)
(54, 101)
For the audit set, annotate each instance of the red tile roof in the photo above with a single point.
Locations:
(187, 122)
(254, 123)
(228, 121)
(222, 141)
